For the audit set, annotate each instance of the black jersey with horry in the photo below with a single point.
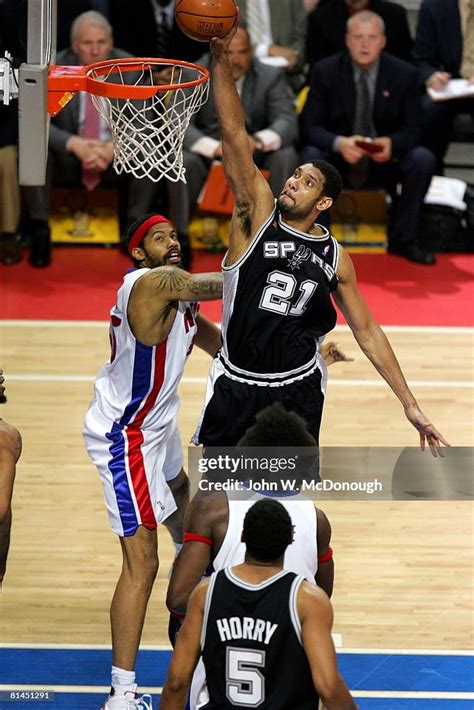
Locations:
(277, 301)
(252, 647)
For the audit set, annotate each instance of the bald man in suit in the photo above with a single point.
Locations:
(329, 127)
(327, 27)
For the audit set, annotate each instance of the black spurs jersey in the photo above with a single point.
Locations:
(277, 301)
(251, 645)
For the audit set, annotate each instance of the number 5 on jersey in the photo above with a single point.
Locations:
(245, 685)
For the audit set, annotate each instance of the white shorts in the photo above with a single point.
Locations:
(198, 695)
(134, 466)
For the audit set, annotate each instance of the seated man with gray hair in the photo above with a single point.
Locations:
(80, 145)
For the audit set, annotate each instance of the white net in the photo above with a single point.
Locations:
(148, 133)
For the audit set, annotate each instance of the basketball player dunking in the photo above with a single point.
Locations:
(281, 272)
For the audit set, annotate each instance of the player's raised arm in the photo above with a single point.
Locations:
(253, 195)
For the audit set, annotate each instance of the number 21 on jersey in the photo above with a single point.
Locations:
(278, 294)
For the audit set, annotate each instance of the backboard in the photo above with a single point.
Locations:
(33, 91)
(146, 103)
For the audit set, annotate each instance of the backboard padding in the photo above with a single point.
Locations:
(32, 99)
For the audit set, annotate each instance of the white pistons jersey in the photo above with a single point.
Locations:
(130, 428)
(139, 385)
(300, 557)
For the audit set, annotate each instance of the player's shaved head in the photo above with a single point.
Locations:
(268, 530)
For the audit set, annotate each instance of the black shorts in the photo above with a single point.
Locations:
(234, 405)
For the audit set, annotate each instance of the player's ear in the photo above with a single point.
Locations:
(137, 253)
(324, 203)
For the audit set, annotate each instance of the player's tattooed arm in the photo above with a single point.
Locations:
(174, 284)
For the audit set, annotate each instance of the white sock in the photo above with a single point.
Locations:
(123, 680)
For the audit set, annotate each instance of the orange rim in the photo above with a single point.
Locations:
(69, 78)
(65, 81)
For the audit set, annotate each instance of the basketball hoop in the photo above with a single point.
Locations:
(147, 105)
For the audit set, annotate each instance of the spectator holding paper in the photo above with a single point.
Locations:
(443, 52)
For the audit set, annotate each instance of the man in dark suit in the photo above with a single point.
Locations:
(441, 53)
(137, 29)
(271, 122)
(71, 153)
(366, 92)
(327, 27)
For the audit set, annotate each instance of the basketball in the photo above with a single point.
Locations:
(204, 19)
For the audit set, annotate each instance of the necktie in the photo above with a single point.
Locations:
(90, 129)
(162, 35)
(255, 23)
(362, 126)
(467, 66)
(363, 112)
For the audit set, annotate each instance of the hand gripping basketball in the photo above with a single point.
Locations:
(203, 19)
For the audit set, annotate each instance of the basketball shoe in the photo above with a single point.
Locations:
(129, 700)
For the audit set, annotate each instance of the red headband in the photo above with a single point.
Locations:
(143, 229)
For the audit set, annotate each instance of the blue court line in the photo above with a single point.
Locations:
(20, 666)
(407, 672)
(365, 671)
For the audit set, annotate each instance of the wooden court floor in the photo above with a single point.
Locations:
(404, 570)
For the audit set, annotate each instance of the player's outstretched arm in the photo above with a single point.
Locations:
(253, 195)
(152, 304)
(375, 345)
(186, 654)
(170, 283)
(315, 612)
